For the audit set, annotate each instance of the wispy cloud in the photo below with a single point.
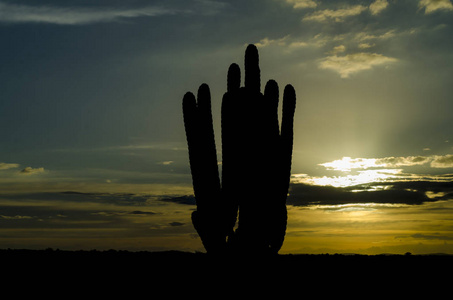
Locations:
(377, 6)
(15, 13)
(445, 161)
(287, 42)
(290, 43)
(301, 4)
(166, 163)
(31, 171)
(338, 49)
(354, 63)
(431, 6)
(361, 178)
(337, 15)
(132, 147)
(394, 162)
(380, 172)
(267, 42)
(365, 36)
(347, 164)
(6, 166)
(365, 45)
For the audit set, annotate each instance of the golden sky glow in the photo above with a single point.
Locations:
(373, 228)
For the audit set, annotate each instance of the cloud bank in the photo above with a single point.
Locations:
(301, 4)
(353, 63)
(377, 6)
(337, 15)
(408, 193)
(431, 6)
(31, 171)
(445, 161)
(16, 13)
(6, 166)
(347, 164)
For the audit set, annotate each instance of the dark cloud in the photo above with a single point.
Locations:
(420, 236)
(123, 213)
(187, 200)
(405, 192)
(115, 199)
(30, 171)
(411, 193)
(139, 212)
(96, 218)
(445, 161)
(176, 224)
(432, 237)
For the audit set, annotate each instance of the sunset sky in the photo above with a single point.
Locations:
(93, 153)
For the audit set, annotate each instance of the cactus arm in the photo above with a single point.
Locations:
(252, 69)
(280, 216)
(203, 165)
(229, 129)
(233, 78)
(271, 94)
(189, 106)
(208, 162)
(287, 134)
(201, 144)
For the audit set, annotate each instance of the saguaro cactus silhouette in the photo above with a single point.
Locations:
(256, 162)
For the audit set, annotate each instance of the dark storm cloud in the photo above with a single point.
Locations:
(410, 193)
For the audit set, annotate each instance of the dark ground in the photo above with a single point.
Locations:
(164, 260)
(183, 274)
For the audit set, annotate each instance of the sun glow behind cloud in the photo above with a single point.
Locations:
(363, 177)
(360, 171)
(347, 163)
